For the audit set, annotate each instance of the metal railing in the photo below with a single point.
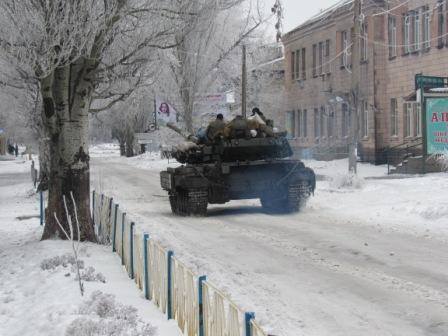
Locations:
(402, 151)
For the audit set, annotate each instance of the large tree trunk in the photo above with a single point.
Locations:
(129, 142)
(66, 96)
(44, 161)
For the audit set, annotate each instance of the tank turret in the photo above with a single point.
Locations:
(241, 140)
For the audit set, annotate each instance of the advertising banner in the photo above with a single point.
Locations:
(437, 125)
(165, 112)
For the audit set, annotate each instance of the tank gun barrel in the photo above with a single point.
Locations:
(185, 135)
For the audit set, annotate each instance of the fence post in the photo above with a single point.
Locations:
(41, 208)
(131, 252)
(114, 232)
(248, 317)
(201, 305)
(100, 222)
(170, 254)
(122, 237)
(93, 207)
(145, 260)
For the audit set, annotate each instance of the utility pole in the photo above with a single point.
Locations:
(243, 84)
(354, 94)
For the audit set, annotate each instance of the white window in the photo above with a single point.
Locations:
(416, 31)
(392, 30)
(407, 34)
(426, 29)
(417, 120)
(364, 42)
(290, 124)
(344, 49)
(316, 123)
(322, 121)
(365, 119)
(393, 117)
(305, 123)
(345, 120)
(407, 119)
(321, 58)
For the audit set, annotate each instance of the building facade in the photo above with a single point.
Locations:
(398, 40)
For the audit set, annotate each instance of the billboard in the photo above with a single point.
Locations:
(165, 112)
(437, 125)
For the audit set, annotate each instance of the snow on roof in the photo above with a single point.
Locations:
(443, 89)
(322, 14)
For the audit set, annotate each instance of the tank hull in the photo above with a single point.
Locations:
(281, 185)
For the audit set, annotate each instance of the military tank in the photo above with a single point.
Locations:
(237, 165)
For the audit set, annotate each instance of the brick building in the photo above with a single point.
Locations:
(398, 40)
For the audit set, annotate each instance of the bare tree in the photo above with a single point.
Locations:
(79, 51)
(197, 61)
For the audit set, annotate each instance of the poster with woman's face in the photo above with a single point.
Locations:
(165, 112)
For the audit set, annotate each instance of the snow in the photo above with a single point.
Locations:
(368, 255)
(46, 301)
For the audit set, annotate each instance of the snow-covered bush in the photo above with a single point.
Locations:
(63, 260)
(349, 180)
(103, 316)
(90, 274)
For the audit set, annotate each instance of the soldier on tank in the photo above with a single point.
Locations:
(256, 112)
(216, 127)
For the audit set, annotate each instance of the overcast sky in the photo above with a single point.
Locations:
(298, 11)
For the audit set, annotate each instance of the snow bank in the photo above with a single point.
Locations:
(38, 291)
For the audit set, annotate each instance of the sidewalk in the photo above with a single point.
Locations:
(36, 301)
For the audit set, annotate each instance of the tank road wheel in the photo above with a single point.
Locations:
(286, 201)
(191, 202)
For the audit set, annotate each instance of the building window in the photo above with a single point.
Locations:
(305, 123)
(364, 119)
(314, 60)
(344, 48)
(330, 123)
(290, 124)
(316, 123)
(299, 126)
(297, 65)
(322, 121)
(393, 117)
(345, 120)
(417, 23)
(293, 64)
(364, 42)
(412, 119)
(392, 31)
(303, 63)
(407, 107)
(321, 58)
(426, 28)
(417, 120)
(327, 57)
(406, 34)
(440, 23)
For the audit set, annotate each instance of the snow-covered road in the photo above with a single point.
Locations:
(319, 272)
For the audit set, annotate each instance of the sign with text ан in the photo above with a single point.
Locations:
(437, 125)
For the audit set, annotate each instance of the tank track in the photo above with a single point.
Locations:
(295, 198)
(189, 202)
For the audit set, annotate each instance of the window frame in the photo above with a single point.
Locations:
(393, 117)
(392, 32)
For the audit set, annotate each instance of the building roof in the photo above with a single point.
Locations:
(340, 6)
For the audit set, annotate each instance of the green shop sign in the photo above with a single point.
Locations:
(437, 125)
